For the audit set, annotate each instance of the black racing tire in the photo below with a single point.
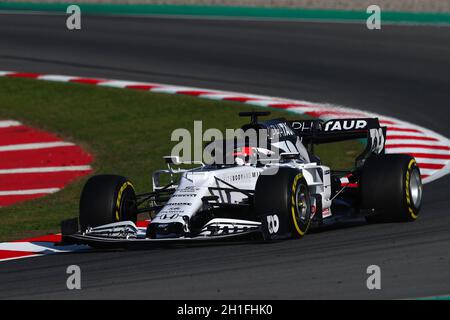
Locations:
(107, 199)
(285, 193)
(391, 187)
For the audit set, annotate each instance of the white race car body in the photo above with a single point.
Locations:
(217, 201)
(197, 184)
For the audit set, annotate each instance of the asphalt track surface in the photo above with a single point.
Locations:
(399, 71)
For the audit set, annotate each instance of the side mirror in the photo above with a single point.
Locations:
(175, 160)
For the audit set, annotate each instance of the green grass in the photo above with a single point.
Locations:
(127, 131)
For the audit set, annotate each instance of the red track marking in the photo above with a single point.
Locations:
(193, 92)
(411, 138)
(412, 145)
(9, 200)
(352, 185)
(47, 238)
(142, 86)
(430, 166)
(37, 158)
(88, 81)
(24, 134)
(6, 254)
(429, 155)
(403, 129)
(318, 114)
(49, 157)
(24, 75)
(288, 105)
(24, 181)
(387, 122)
(240, 99)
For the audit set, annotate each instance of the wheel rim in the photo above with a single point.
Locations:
(301, 203)
(128, 205)
(415, 188)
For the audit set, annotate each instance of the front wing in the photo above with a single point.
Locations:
(127, 235)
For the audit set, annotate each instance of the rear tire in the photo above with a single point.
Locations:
(107, 199)
(285, 193)
(391, 186)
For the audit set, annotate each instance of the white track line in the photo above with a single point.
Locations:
(414, 141)
(421, 150)
(37, 247)
(45, 169)
(23, 246)
(22, 257)
(32, 146)
(406, 135)
(28, 192)
(9, 123)
(216, 96)
(431, 161)
(54, 77)
(121, 84)
(427, 171)
(417, 145)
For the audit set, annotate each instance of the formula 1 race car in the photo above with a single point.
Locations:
(254, 196)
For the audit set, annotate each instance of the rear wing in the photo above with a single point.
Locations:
(318, 132)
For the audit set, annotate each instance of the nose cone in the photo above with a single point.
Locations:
(183, 204)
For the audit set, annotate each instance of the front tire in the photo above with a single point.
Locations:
(391, 185)
(285, 193)
(107, 199)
